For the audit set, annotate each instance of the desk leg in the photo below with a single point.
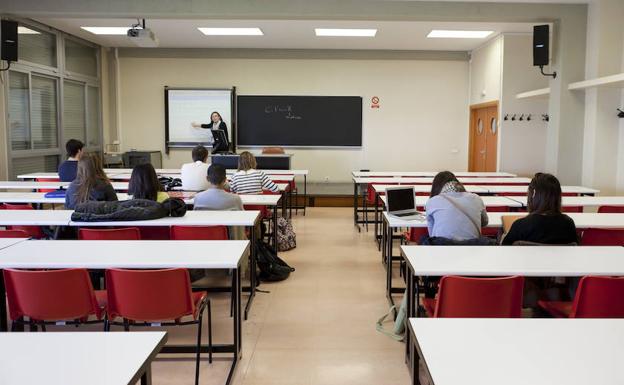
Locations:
(252, 270)
(355, 207)
(389, 265)
(284, 204)
(146, 378)
(377, 221)
(383, 240)
(3, 309)
(305, 193)
(290, 201)
(237, 327)
(275, 229)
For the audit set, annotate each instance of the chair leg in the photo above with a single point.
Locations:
(232, 299)
(198, 350)
(126, 325)
(106, 324)
(209, 333)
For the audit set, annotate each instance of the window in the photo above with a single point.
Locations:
(35, 164)
(80, 58)
(19, 107)
(93, 115)
(36, 46)
(74, 119)
(44, 121)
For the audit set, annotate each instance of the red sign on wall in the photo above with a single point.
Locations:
(375, 102)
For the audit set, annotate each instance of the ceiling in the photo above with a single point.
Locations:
(292, 34)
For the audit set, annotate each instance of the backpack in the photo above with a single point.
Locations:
(272, 267)
(286, 237)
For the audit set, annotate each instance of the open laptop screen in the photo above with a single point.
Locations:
(400, 199)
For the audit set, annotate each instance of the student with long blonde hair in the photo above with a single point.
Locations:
(91, 183)
(248, 180)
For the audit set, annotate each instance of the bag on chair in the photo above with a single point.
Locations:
(286, 237)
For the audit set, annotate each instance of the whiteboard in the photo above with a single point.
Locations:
(187, 106)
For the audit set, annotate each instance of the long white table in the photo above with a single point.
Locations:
(578, 190)
(517, 351)
(468, 174)
(34, 185)
(582, 201)
(67, 358)
(389, 223)
(136, 255)
(488, 201)
(486, 189)
(6, 242)
(429, 180)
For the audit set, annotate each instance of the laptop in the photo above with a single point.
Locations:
(402, 203)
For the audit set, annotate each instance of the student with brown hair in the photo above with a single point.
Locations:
(193, 175)
(248, 180)
(144, 184)
(545, 223)
(91, 183)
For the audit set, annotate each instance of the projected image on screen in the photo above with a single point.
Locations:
(299, 121)
(186, 107)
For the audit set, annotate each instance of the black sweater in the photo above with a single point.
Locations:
(222, 126)
(557, 229)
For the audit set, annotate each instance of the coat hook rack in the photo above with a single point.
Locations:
(620, 113)
(521, 117)
(506, 117)
(545, 117)
(513, 117)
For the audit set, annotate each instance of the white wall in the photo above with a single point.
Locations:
(422, 123)
(522, 145)
(485, 72)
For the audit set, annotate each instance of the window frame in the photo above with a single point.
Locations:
(60, 75)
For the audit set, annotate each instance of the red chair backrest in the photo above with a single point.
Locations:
(50, 295)
(149, 295)
(32, 231)
(599, 297)
(13, 234)
(206, 233)
(416, 233)
(572, 209)
(45, 190)
(602, 237)
(461, 297)
(611, 209)
(124, 234)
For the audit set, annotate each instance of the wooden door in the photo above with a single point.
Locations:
(483, 138)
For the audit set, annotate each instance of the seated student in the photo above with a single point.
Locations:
(248, 180)
(545, 223)
(144, 184)
(215, 197)
(67, 169)
(193, 175)
(452, 213)
(91, 184)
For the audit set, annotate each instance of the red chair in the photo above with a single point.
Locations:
(611, 209)
(572, 209)
(602, 237)
(46, 297)
(143, 297)
(123, 234)
(32, 231)
(596, 297)
(13, 234)
(45, 190)
(206, 233)
(463, 297)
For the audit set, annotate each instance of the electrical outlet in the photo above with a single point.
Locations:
(326, 179)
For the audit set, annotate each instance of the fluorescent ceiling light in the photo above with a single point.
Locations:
(352, 32)
(26, 31)
(107, 30)
(456, 34)
(231, 31)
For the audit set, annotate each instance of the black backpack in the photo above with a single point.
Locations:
(272, 267)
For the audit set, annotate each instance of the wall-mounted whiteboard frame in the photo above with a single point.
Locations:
(172, 137)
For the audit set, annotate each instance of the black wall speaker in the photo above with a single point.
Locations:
(541, 44)
(8, 50)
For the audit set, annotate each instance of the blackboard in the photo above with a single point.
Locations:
(299, 121)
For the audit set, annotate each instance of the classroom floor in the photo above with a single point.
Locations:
(317, 327)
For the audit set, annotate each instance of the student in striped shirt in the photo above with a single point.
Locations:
(248, 180)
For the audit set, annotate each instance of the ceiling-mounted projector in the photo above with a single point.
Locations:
(142, 36)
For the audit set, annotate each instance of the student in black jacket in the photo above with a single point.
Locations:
(545, 223)
(216, 123)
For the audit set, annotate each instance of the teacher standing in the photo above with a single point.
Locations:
(216, 123)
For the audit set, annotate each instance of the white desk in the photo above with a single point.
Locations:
(583, 201)
(426, 188)
(136, 255)
(35, 217)
(7, 242)
(458, 174)
(73, 358)
(519, 351)
(31, 185)
(191, 218)
(429, 180)
(580, 190)
(488, 201)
